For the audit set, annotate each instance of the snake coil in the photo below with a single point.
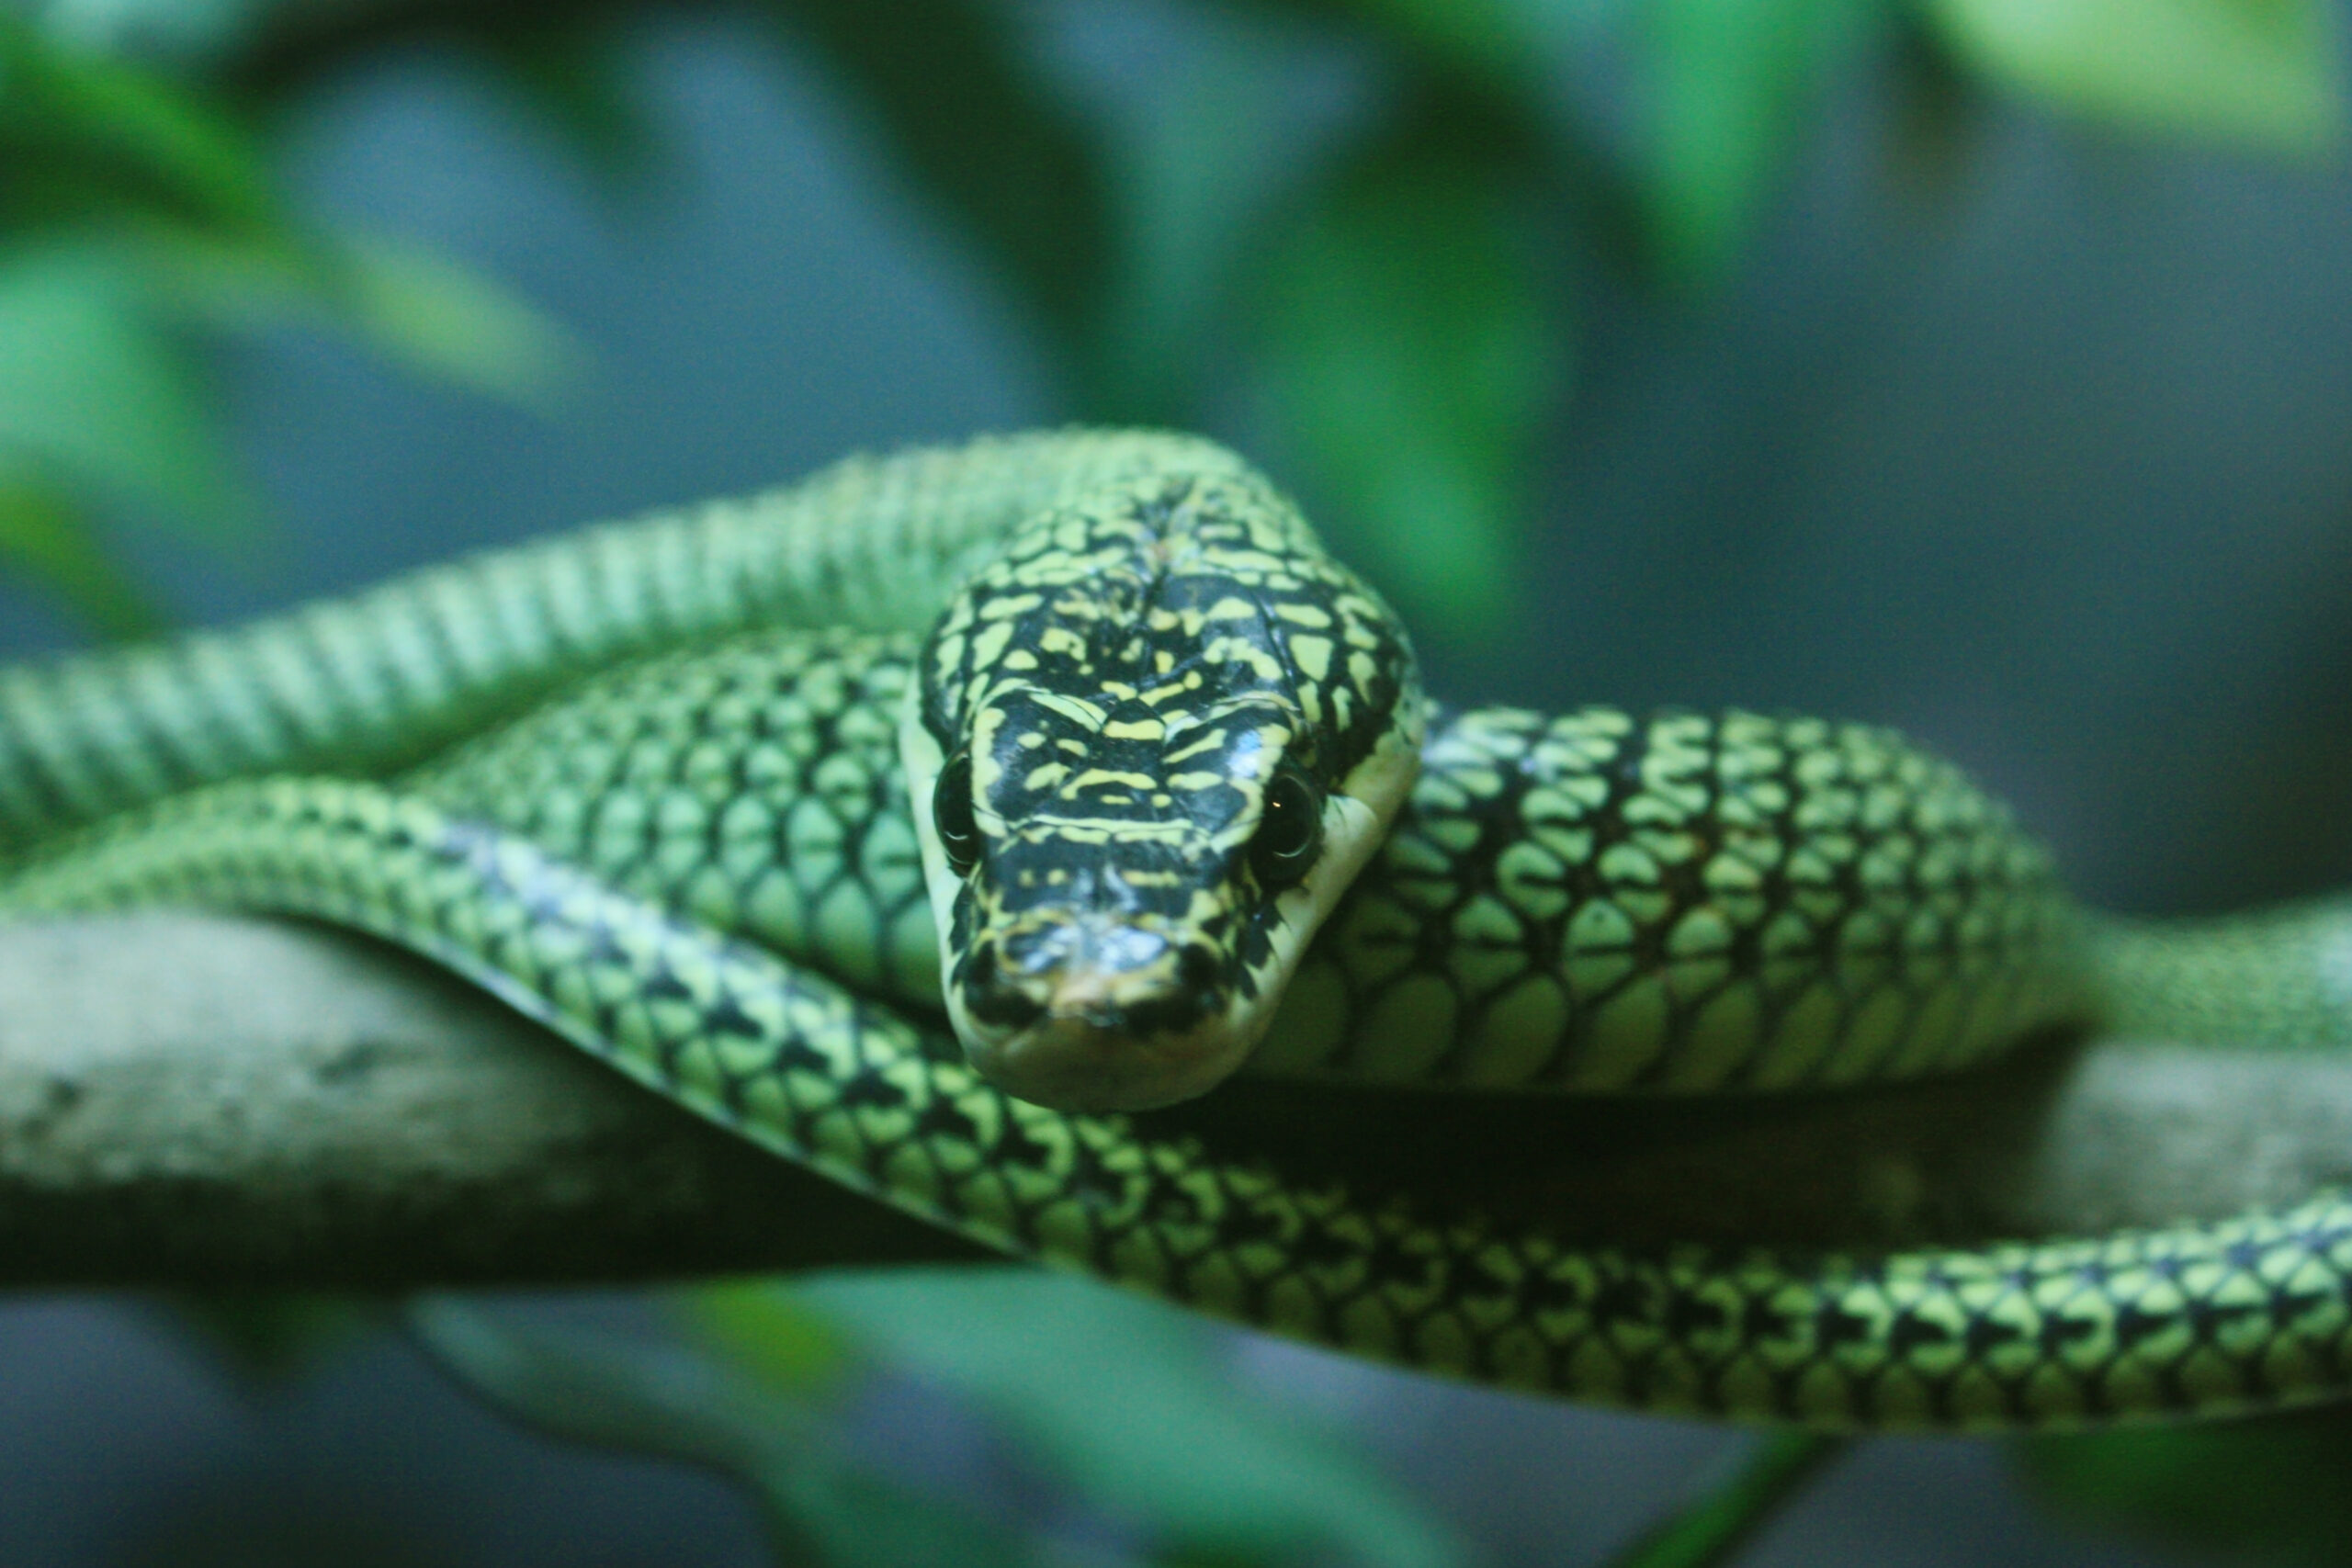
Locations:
(647, 784)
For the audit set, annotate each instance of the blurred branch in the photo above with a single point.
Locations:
(189, 1100)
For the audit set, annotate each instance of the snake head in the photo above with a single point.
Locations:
(1149, 747)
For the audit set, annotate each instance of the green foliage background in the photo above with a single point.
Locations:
(1396, 307)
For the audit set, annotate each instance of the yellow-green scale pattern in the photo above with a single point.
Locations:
(587, 862)
(393, 673)
(1683, 903)
(1126, 682)
(658, 861)
(1587, 903)
(2245, 1313)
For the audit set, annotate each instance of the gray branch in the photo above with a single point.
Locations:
(208, 1100)
(190, 1099)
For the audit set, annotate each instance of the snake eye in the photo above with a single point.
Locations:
(1290, 834)
(951, 815)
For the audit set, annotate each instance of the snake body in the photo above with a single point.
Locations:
(703, 864)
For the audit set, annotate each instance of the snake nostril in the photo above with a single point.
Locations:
(992, 990)
(996, 998)
(1196, 970)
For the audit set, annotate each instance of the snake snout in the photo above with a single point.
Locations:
(1084, 1011)
(1108, 974)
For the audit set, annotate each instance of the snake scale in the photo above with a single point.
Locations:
(651, 785)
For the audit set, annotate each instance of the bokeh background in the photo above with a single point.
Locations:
(1979, 367)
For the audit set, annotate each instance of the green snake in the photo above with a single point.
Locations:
(688, 789)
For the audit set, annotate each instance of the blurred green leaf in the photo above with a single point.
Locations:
(268, 1337)
(824, 1505)
(45, 536)
(1494, 41)
(1411, 352)
(1770, 1470)
(1502, 48)
(2267, 1490)
(436, 316)
(108, 123)
(1124, 1397)
(92, 387)
(1937, 113)
(1185, 127)
(2260, 71)
(1728, 84)
(1190, 193)
(452, 321)
(979, 134)
(572, 72)
(790, 1346)
(185, 32)
(134, 212)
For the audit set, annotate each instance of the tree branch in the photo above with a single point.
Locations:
(188, 1099)
(200, 1098)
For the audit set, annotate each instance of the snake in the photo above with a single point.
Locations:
(955, 823)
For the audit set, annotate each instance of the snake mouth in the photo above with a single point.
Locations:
(1086, 1013)
(1068, 1064)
